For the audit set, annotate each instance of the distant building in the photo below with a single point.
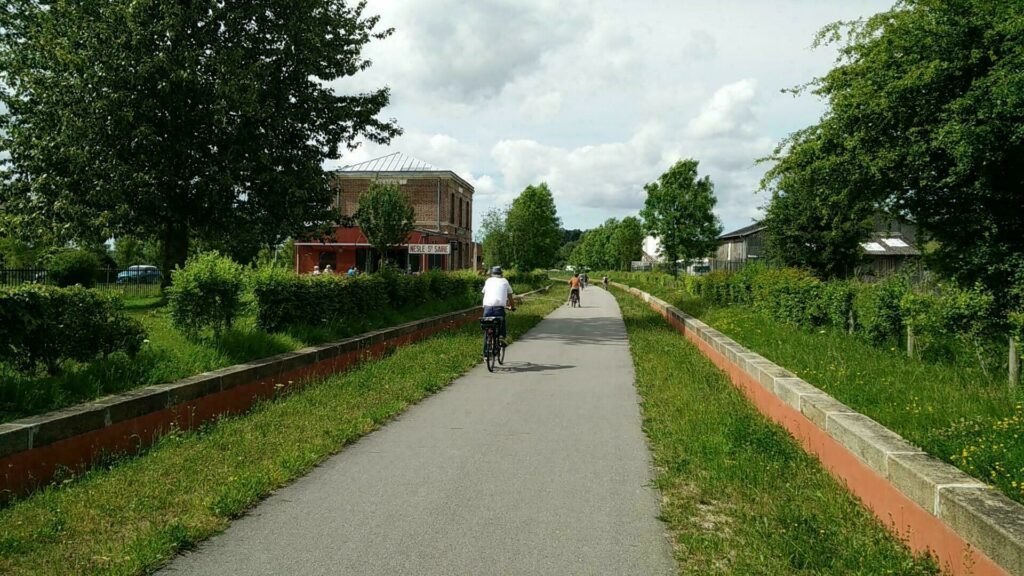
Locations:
(443, 234)
(891, 245)
(740, 245)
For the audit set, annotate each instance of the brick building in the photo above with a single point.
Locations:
(443, 235)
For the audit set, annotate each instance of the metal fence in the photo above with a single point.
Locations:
(127, 282)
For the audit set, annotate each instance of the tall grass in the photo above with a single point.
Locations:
(954, 411)
(739, 495)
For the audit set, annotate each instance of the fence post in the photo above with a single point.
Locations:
(849, 322)
(910, 341)
(1014, 362)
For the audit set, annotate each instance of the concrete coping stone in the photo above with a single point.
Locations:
(14, 438)
(770, 372)
(818, 408)
(868, 440)
(921, 477)
(65, 423)
(191, 388)
(987, 519)
(792, 390)
(135, 403)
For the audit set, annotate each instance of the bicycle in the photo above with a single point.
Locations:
(574, 298)
(494, 349)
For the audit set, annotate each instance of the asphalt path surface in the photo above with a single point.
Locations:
(539, 468)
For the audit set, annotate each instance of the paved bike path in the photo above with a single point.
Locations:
(540, 468)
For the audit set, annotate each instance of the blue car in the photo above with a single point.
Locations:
(140, 274)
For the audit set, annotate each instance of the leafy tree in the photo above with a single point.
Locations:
(534, 228)
(626, 242)
(818, 214)
(926, 104)
(182, 122)
(594, 250)
(678, 210)
(494, 239)
(15, 253)
(385, 216)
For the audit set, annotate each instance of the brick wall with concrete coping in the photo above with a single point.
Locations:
(970, 527)
(36, 449)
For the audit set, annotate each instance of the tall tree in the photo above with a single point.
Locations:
(179, 121)
(679, 211)
(627, 242)
(494, 239)
(818, 213)
(926, 104)
(534, 228)
(385, 216)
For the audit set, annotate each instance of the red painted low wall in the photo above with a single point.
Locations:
(25, 471)
(921, 530)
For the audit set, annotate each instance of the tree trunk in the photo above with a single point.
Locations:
(174, 248)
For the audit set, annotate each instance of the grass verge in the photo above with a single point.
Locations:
(168, 355)
(739, 495)
(133, 516)
(954, 412)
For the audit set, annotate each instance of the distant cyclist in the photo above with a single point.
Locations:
(584, 279)
(497, 296)
(604, 280)
(574, 287)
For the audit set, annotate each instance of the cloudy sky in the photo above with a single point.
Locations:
(598, 97)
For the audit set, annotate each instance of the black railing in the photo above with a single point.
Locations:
(128, 282)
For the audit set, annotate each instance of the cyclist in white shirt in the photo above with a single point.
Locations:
(497, 296)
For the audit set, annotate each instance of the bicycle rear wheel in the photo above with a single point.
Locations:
(501, 352)
(491, 355)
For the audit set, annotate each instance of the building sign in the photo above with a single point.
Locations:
(430, 249)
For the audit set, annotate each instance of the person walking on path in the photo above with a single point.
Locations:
(497, 296)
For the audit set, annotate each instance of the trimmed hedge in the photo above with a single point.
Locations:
(44, 325)
(941, 318)
(284, 299)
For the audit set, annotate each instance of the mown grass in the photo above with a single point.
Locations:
(953, 411)
(169, 355)
(133, 516)
(739, 495)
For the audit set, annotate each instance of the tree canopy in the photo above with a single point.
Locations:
(494, 239)
(679, 211)
(926, 118)
(610, 246)
(533, 228)
(385, 216)
(180, 122)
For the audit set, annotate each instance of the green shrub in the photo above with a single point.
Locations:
(877, 310)
(206, 293)
(71, 267)
(835, 305)
(44, 325)
(788, 295)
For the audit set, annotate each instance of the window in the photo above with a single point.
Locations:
(451, 210)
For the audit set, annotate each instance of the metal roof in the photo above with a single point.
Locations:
(745, 231)
(888, 244)
(394, 162)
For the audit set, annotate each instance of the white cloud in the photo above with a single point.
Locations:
(729, 111)
(598, 98)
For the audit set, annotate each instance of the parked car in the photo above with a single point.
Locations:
(140, 274)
